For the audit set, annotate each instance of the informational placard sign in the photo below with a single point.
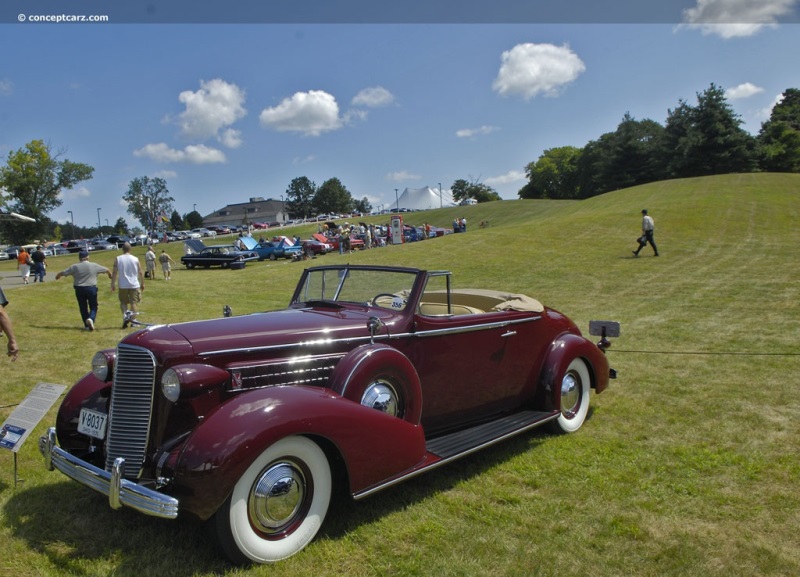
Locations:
(27, 415)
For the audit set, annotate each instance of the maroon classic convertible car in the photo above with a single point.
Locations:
(371, 375)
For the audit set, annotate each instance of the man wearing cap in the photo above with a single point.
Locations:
(84, 275)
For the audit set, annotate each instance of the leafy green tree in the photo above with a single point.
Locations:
(707, 139)
(333, 198)
(120, 227)
(463, 190)
(148, 198)
(176, 221)
(33, 178)
(553, 175)
(779, 138)
(629, 156)
(193, 219)
(363, 206)
(300, 197)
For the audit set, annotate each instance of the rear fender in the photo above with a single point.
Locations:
(374, 446)
(562, 351)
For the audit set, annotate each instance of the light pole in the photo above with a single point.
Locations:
(396, 201)
(72, 218)
(283, 211)
(98, 220)
(194, 208)
(440, 195)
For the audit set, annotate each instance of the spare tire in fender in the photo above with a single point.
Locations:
(381, 377)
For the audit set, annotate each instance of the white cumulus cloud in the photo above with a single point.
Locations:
(310, 113)
(192, 154)
(745, 90)
(735, 18)
(532, 69)
(73, 193)
(211, 110)
(373, 97)
(473, 132)
(402, 175)
(507, 178)
(6, 87)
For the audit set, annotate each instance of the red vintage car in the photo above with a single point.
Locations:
(370, 376)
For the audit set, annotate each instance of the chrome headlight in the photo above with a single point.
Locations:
(103, 365)
(171, 385)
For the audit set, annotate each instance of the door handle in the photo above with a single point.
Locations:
(508, 334)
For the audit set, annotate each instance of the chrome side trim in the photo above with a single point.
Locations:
(120, 491)
(368, 338)
(473, 328)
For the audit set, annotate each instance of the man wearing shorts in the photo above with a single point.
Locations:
(128, 276)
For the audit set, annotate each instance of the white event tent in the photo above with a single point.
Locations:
(423, 199)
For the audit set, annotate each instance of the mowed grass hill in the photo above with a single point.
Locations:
(688, 465)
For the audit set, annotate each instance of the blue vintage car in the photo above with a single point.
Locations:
(278, 248)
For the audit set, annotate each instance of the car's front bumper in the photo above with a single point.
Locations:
(120, 492)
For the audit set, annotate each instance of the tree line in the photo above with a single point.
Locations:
(696, 140)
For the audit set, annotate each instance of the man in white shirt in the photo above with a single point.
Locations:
(127, 274)
(648, 228)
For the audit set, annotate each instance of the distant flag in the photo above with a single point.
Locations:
(164, 217)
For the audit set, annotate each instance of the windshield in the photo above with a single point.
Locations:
(383, 288)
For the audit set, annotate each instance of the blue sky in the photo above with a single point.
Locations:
(225, 112)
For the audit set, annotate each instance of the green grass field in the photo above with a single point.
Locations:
(688, 465)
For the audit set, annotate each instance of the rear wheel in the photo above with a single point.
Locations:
(278, 504)
(574, 400)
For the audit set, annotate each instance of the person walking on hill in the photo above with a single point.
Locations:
(84, 275)
(24, 264)
(128, 275)
(648, 228)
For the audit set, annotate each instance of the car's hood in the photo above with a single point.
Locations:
(286, 327)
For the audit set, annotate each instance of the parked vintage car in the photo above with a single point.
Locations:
(278, 248)
(224, 255)
(102, 244)
(313, 247)
(247, 422)
(79, 245)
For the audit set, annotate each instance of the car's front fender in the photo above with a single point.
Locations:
(374, 446)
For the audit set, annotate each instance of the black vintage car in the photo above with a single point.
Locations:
(226, 255)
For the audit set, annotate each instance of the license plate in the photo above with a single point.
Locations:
(92, 423)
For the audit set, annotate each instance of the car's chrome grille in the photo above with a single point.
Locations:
(131, 407)
(299, 371)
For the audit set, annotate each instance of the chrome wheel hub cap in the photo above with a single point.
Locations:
(381, 396)
(570, 395)
(277, 496)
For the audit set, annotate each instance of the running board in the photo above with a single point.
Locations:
(475, 438)
(446, 448)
